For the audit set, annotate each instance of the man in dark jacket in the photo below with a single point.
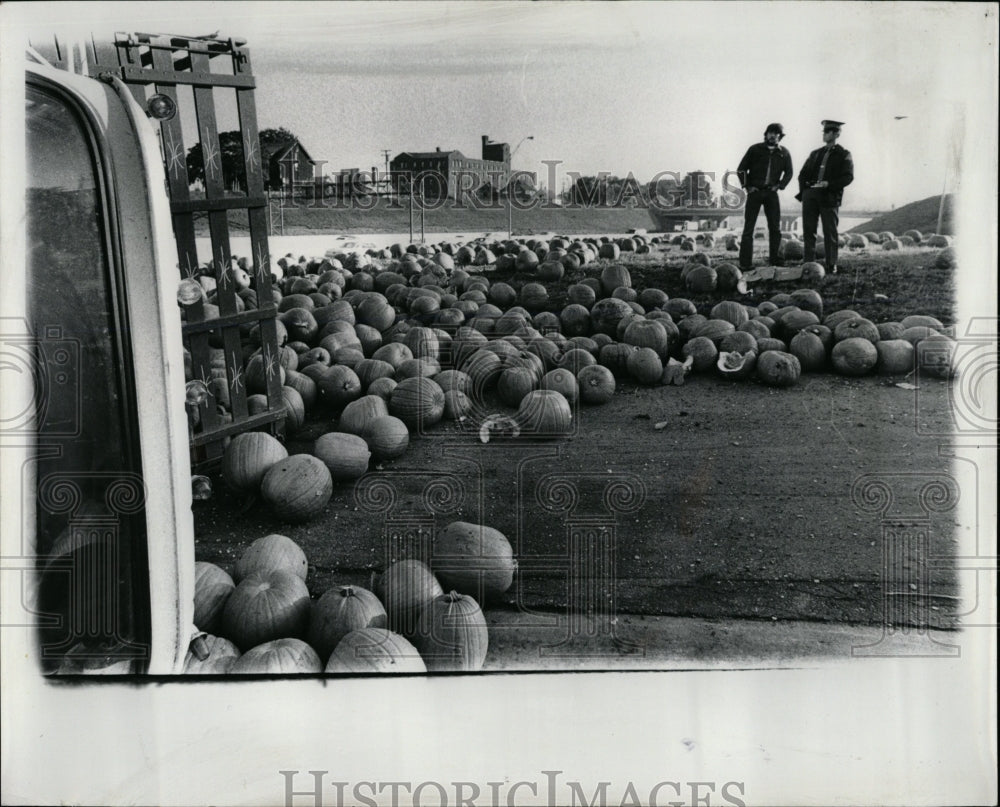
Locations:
(765, 169)
(822, 180)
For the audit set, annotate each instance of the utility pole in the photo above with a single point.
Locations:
(388, 184)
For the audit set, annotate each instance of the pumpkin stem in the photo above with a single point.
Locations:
(347, 591)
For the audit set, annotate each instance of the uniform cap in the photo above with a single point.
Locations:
(775, 127)
(836, 123)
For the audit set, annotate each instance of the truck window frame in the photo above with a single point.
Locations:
(134, 526)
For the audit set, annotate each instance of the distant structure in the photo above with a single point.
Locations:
(446, 173)
(287, 166)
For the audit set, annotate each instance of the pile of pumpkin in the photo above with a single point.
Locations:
(396, 342)
(263, 620)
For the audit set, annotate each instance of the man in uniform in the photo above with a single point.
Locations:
(822, 180)
(765, 169)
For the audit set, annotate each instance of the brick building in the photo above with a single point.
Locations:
(444, 173)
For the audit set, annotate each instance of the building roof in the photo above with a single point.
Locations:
(430, 155)
(278, 151)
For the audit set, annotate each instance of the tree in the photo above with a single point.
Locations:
(697, 189)
(230, 157)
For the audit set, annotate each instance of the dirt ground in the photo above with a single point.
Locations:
(751, 503)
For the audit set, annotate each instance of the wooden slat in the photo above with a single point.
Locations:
(228, 203)
(230, 320)
(175, 165)
(194, 78)
(218, 225)
(254, 167)
(248, 423)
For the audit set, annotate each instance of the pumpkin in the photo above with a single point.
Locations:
(766, 345)
(411, 368)
(283, 656)
(300, 324)
(452, 634)
(453, 380)
(393, 353)
(854, 355)
(526, 260)
(833, 320)
(935, 356)
(562, 381)
(921, 321)
(679, 307)
(737, 341)
(221, 655)
(895, 357)
(794, 321)
(703, 353)
(607, 313)
(375, 311)
(297, 488)
(597, 384)
(534, 296)
(736, 365)
(609, 251)
(501, 295)
(776, 368)
(304, 386)
(756, 328)
(418, 402)
(730, 311)
(483, 369)
(614, 356)
(247, 458)
(375, 650)
(257, 371)
(652, 298)
(857, 328)
(544, 414)
(474, 559)
(345, 456)
(388, 438)
(809, 349)
(266, 606)
(340, 611)
(808, 300)
(728, 277)
(648, 333)
(338, 386)
(212, 587)
(613, 277)
(889, 330)
(701, 279)
(405, 588)
(916, 334)
(457, 405)
(714, 329)
(645, 365)
(295, 409)
(423, 343)
(582, 295)
(358, 415)
(270, 554)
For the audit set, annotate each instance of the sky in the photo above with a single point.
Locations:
(618, 87)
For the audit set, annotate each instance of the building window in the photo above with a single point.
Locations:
(93, 586)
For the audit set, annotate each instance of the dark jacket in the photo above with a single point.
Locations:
(752, 170)
(839, 174)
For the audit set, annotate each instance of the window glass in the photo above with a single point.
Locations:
(90, 535)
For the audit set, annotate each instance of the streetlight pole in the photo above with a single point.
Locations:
(510, 188)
